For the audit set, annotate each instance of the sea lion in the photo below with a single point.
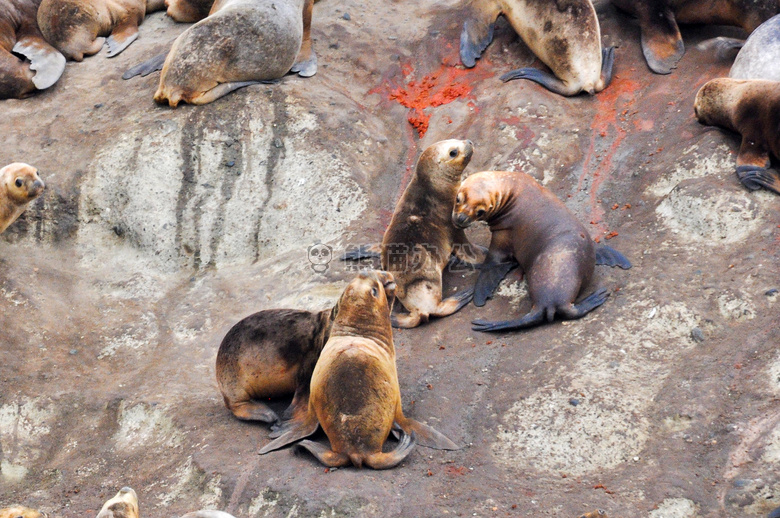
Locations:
(271, 354)
(532, 228)
(123, 505)
(759, 57)
(19, 34)
(751, 107)
(21, 512)
(188, 11)
(77, 27)
(355, 395)
(662, 43)
(564, 34)
(240, 43)
(420, 239)
(20, 184)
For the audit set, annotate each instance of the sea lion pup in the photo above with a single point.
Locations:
(420, 240)
(123, 505)
(271, 354)
(531, 227)
(563, 34)
(19, 35)
(20, 184)
(751, 107)
(77, 27)
(662, 43)
(240, 43)
(21, 512)
(355, 395)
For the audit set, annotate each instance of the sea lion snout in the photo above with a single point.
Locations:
(460, 220)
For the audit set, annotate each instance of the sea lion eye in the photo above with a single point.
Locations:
(459, 198)
(374, 292)
(453, 152)
(480, 213)
(19, 182)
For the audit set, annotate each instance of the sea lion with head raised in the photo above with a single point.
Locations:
(19, 35)
(532, 228)
(355, 395)
(420, 239)
(662, 43)
(751, 107)
(123, 505)
(77, 28)
(20, 184)
(21, 512)
(564, 34)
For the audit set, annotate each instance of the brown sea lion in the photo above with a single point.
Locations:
(271, 354)
(532, 228)
(662, 42)
(20, 184)
(355, 395)
(21, 512)
(420, 239)
(751, 107)
(240, 43)
(19, 34)
(564, 34)
(123, 505)
(77, 27)
(188, 11)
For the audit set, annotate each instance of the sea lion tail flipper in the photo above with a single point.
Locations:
(662, 42)
(330, 458)
(362, 252)
(725, 48)
(48, 62)
(427, 436)
(477, 32)
(545, 79)
(490, 276)
(220, 90)
(754, 178)
(607, 64)
(532, 318)
(147, 67)
(121, 37)
(608, 256)
(292, 431)
(393, 458)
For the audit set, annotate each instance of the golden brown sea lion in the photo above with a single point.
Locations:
(532, 228)
(20, 184)
(662, 43)
(21, 512)
(188, 10)
(123, 505)
(77, 27)
(355, 395)
(751, 107)
(564, 34)
(19, 34)
(421, 239)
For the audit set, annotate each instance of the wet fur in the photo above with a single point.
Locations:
(14, 200)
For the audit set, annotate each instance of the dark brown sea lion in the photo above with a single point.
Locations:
(421, 239)
(662, 43)
(123, 505)
(355, 395)
(564, 34)
(21, 512)
(20, 184)
(532, 228)
(751, 107)
(19, 34)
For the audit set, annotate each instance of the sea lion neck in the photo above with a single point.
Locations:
(379, 331)
(504, 197)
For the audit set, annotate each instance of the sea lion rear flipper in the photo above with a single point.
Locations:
(454, 304)
(478, 31)
(330, 458)
(545, 79)
(362, 252)
(532, 318)
(662, 42)
(608, 256)
(121, 37)
(607, 63)
(393, 458)
(291, 431)
(147, 67)
(586, 305)
(752, 166)
(490, 276)
(426, 435)
(725, 48)
(774, 514)
(306, 61)
(48, 62)
(221, 90)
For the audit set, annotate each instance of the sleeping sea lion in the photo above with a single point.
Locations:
(355, 395)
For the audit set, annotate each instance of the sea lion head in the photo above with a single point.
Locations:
(70, 26)
(478, 199)
(368, 298)
(22, 182)
(445, 159)
(715, 100)
(123, 505)
(21, 512)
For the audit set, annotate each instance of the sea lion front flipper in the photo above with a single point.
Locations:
(147, 67)
(330, 458)
(754, 178)
(725, 48)
(291, 431)
(477, 31)
(362, 252)
(121, 37)
(251, 410)
(752, 165)
(662, 42)
(220, 90)
(48, 62)
(608, 256)
(545, 79)
(306, 61)
(426, 435)
(490, 276)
